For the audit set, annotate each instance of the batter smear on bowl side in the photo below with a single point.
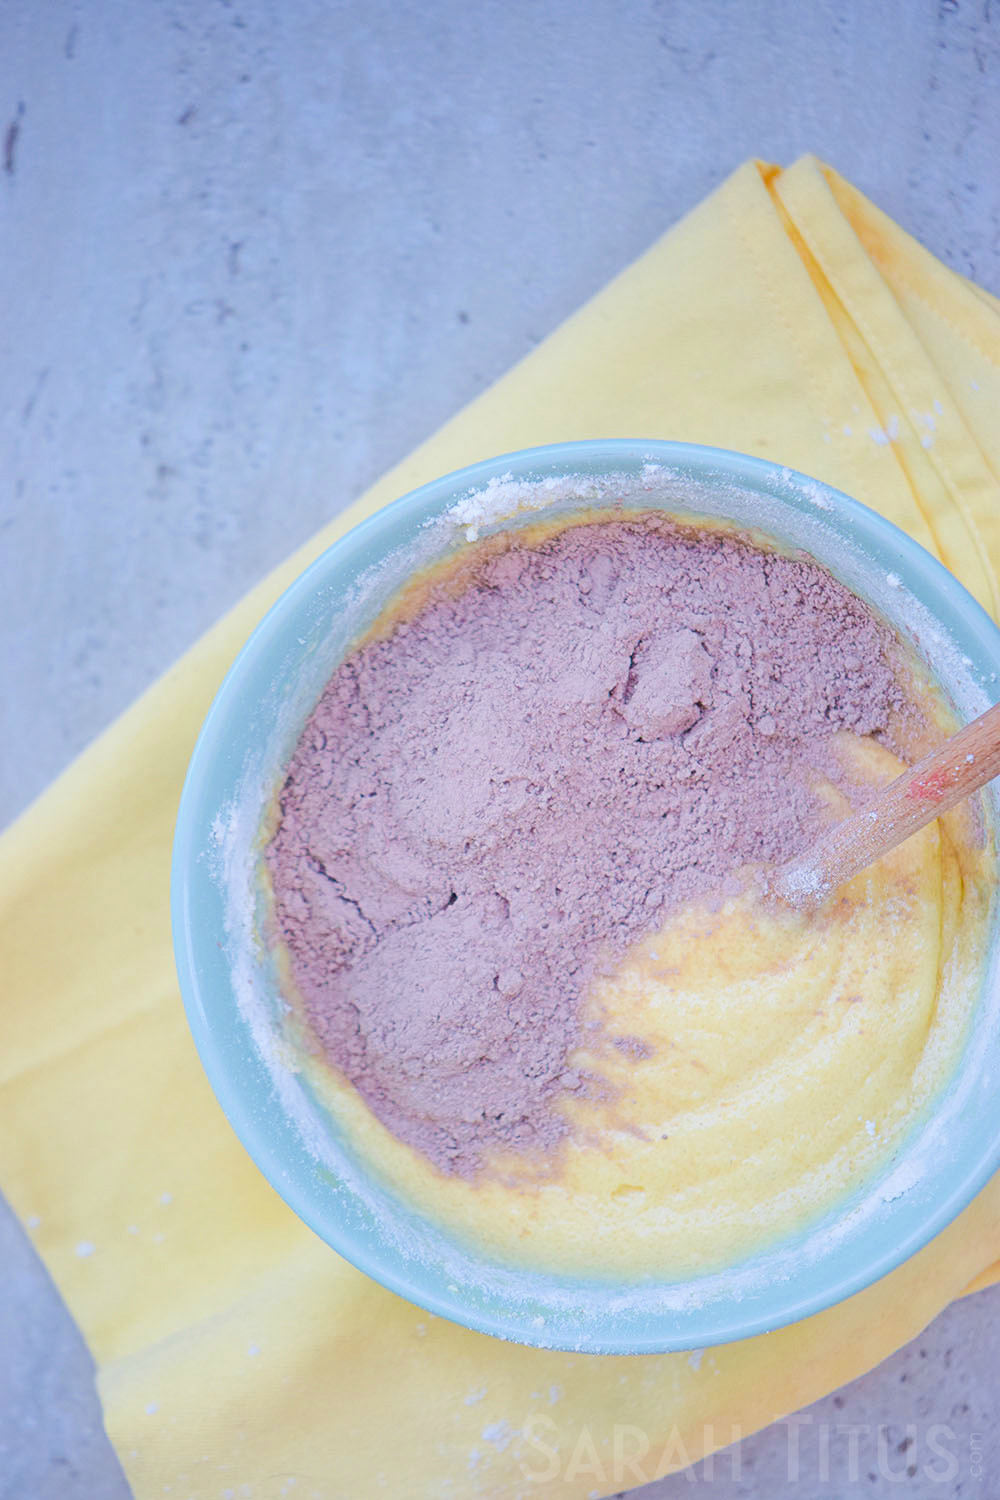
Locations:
(506, 858)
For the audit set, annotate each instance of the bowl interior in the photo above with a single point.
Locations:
(231, 991)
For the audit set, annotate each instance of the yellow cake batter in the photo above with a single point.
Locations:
(775, 1061)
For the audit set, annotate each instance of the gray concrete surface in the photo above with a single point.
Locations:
(924, 1426)
(253, 250)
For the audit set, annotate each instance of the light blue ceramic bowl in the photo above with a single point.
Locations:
(232, 998)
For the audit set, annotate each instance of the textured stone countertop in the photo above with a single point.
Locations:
(246, 242)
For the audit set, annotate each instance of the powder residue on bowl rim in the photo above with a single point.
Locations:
(497, 795)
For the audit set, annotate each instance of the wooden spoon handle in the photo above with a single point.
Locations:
(959, 767)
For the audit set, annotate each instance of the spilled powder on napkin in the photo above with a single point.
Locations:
(499, 795)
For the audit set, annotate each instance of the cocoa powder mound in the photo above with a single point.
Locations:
(502, 793)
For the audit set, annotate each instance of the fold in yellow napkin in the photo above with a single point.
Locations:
(787, 317)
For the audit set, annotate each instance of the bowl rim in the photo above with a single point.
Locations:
(789, 1302)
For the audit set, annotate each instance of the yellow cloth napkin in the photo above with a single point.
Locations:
(787, 317)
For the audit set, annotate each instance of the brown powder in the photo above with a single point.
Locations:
(498, 796)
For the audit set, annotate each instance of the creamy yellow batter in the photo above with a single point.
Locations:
(788, 1057)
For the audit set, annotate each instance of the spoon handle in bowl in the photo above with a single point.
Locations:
(959, 767)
